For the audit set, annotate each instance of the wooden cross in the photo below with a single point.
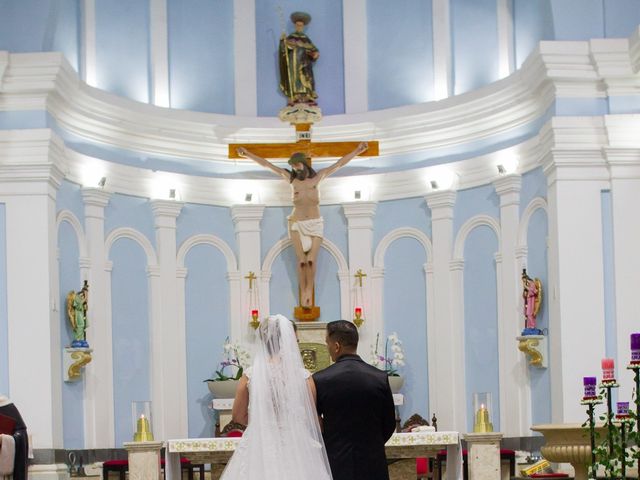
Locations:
(305, 145)
(251, 277)
(359, 275)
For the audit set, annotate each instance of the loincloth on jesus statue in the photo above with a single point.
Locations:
(313, 227)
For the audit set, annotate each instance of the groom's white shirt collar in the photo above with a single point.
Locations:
(4, 401)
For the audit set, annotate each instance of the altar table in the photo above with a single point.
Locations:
(218, 451)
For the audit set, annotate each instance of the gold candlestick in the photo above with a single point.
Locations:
(143, 431)
(482, 423)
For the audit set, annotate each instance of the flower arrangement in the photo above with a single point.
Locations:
(389, 364)
(235, 356)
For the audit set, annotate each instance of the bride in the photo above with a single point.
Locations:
(276, 398)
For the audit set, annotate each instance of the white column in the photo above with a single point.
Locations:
(447, 398)
(515, 395)
(575, 295)
(624, 166)
(159, 53)
(356, 91)
(31, 169)
(88, 42)
(442, 70)
(506, 55)
(360, 239)
(246, 221)
(98, 406)
(244, 47)
(169, 373)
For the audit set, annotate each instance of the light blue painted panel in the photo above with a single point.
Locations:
(610, 323)
(475, 43)
(532, 22)
(23, 24)
(207, 326)
(481, 320)
(408, 212)
(4, 315)
(283, 288)
(537, 268)
(201, 64)
(131, 333)
(624, 104)
(621, 17)
(197, 219)
(335, 227)
(581, 106)
(69, 197)
(405, 312)
(132, 212)
(534, 184)
(72, 392)
(63, 33)
(23, 119)
(325, 31)
(578, 19)
(475, 201)
(400, 53)
(122, 48)
(274, 228)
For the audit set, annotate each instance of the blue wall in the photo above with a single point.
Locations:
(122, 48)
(475, 43)
(475, 201)
(132, 212)
(205, 219)
(201, 65)
(130, 333)
(405, 312)
(408, 212)
(400, 58)
(532, 22)
(481, 320)
(207, 326)
(4, 315)
(72, 392)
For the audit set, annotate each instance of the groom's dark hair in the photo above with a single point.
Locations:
(343, 332)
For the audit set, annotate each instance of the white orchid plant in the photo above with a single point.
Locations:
(390, 362)
(236, 357)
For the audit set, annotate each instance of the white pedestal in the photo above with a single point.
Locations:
(144, 460)
(483, 455)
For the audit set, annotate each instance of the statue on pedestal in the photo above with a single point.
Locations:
(77, 306)
(532, 298)
(297, 53)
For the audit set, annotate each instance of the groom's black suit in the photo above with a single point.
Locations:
(358, 417)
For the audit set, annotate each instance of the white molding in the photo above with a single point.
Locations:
(394, 235)
(467, 227)
(525, 218)
(506, 42)
(88, 42)
(207, 239)
(356, 82)
(442, 52)
(71, 219)
(244, 47)
(135, 235)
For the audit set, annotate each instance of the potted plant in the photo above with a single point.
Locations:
(229, 371)
(390, 362)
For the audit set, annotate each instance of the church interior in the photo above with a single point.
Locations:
(504, 149)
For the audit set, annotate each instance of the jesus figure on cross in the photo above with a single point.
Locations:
(305, 222)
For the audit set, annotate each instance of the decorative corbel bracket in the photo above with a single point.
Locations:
(535, 347)
(74, 361)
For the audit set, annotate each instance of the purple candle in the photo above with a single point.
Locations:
(622, 408)
(589, 387)
(635, 347)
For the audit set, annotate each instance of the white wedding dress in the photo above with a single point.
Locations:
(283, 439)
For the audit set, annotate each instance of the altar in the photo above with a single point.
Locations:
(218, 451)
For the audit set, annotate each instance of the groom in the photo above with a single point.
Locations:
(356, 406)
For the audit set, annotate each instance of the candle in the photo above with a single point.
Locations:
(358, 311)
(622, 408)
(143, 431)
(482, 423)
(254, 313)
(589, 387)
(635, 347)
(608, 369)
